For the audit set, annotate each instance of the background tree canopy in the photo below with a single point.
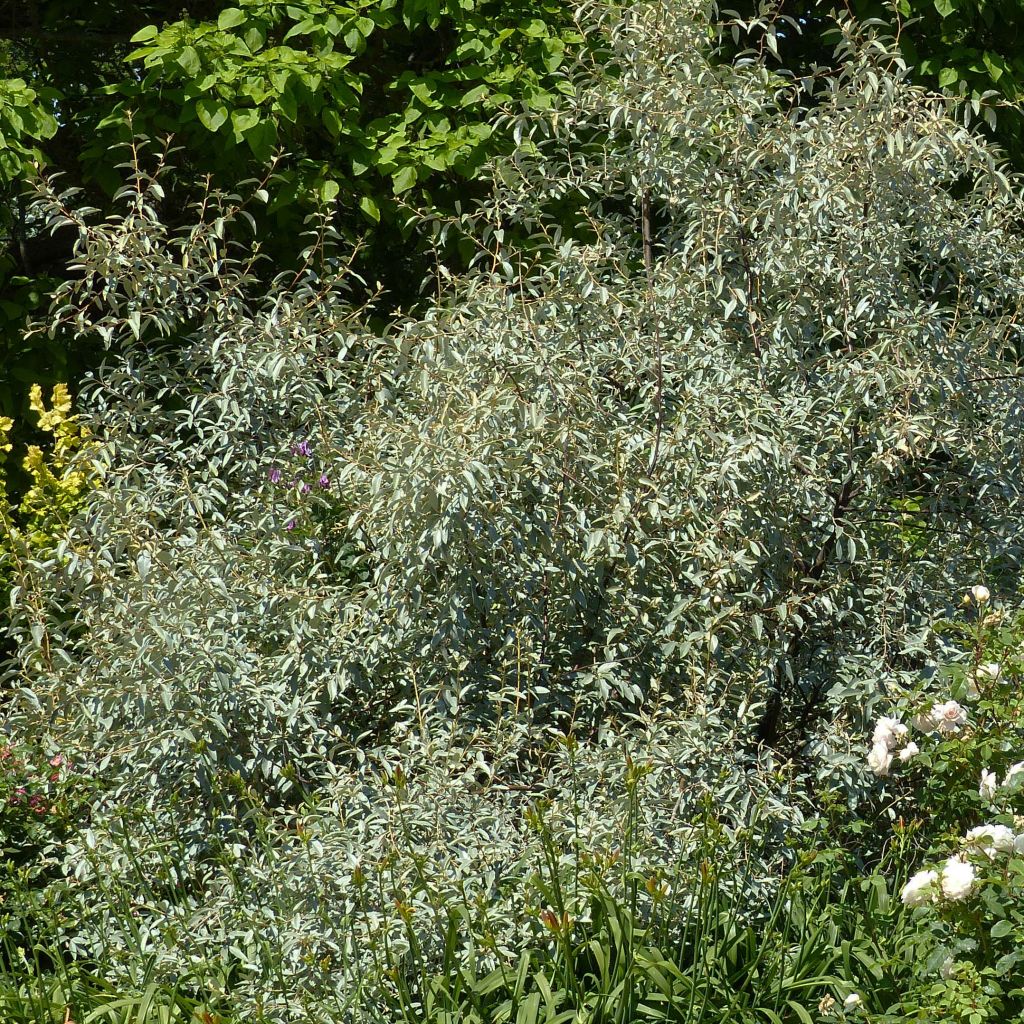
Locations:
(382, 107)
(973, 48)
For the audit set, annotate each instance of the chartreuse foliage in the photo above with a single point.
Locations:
(59, 477)
(25, 123)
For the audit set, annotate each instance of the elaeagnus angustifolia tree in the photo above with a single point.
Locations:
(724, 445)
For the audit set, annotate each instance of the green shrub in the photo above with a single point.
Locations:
(660, 481)
(627, 474)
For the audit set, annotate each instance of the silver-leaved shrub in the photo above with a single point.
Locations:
(717, 452)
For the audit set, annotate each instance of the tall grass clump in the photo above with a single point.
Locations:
(352, 637)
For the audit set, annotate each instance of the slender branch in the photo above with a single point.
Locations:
(659, 373)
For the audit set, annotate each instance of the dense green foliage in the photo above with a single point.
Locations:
(514, 659)
(404, 92)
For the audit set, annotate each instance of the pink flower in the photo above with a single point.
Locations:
(949, 717)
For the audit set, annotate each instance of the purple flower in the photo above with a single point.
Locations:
(275, 475)
(325, 481)
(290, 525)
(302, 449)
(305, 489)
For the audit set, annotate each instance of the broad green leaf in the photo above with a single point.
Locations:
(534, 28)
(188, 61)
(230, 17)
(243, 120)
(212, 113)
(287, 105)
(422, 91)
(474, 96)
(403, 179)
(262, 138)
(370, 208)
(332, 121)
(994, 64)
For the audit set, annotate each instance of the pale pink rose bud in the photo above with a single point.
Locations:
(949, 716)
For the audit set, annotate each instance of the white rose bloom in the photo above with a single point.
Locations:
(1012, 773)
(879, 759)
(909, 751)
(987, 671)
(980, 594)
(924, 722)
(949, 717)
(991, 839)
(851, 1002)
(989, 785)
(920, 889)
(957, 878)
(946, 970)
(890, 731)
(1018, 845)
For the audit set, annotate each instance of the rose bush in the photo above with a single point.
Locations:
(967, 893)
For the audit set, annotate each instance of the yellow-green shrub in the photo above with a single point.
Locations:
(59, 480)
